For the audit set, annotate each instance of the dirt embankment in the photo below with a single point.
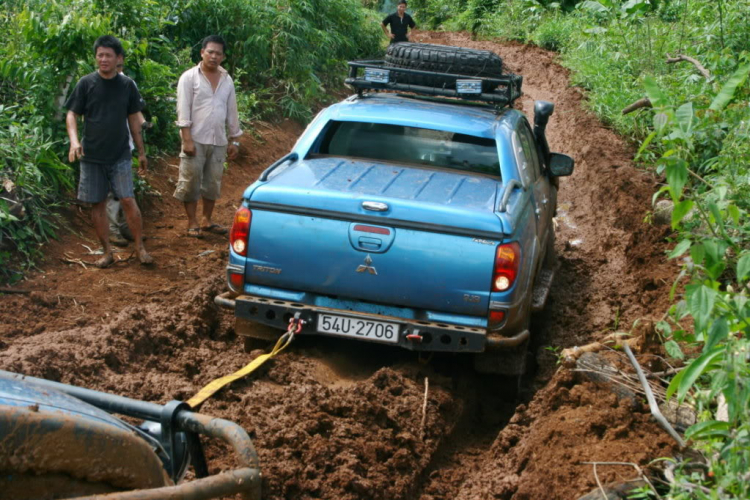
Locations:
(333, 419)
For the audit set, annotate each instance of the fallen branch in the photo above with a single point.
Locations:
(15, 290)
(640, 103)
(631, 464)
(651, 400)
(424, 405)
(571, 354)
(680, 57)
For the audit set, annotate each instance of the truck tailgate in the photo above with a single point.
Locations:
(433, 247)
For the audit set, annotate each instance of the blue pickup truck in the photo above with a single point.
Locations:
(420, 218)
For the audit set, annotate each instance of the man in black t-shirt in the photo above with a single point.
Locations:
(400, 22)
(108, 102)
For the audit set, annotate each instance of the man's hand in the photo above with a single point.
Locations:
(142, 164)
(391, 36)
(232, 151)
(188, 147)
(76, 151)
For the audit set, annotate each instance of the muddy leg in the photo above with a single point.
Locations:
(133, 216)
(101, 226)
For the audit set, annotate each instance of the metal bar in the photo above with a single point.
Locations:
(227, 431)
(508, 79)
(651, 399)
(220, 485)
(496, 98)
(108, 402)
(224, 301)
(289, 157)
(507, 342)
(513, 183)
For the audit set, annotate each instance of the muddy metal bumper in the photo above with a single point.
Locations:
(414, 335)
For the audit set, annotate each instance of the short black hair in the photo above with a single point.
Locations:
(214, 39)
(403, 2)
(109, 42)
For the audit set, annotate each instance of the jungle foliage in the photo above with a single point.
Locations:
(696, 136)
(285, 56)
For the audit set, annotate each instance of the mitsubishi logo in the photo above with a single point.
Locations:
(366, 267)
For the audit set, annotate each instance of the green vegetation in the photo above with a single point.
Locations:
(285, 57)
(696, 136)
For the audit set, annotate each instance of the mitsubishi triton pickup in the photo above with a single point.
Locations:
(420, 217)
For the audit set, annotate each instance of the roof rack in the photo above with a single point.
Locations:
(378, 76)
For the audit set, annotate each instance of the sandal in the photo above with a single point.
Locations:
(215, 228)
(194, 232)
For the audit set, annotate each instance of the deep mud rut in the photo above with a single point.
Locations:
(333, 419)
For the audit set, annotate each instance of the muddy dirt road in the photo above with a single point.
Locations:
(333, 419)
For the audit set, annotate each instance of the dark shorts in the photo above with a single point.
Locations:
(97, 179)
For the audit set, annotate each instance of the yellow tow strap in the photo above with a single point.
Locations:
(217, 384)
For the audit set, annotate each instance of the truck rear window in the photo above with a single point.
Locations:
(396, 143)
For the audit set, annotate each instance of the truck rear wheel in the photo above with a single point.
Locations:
(511, 362)
(442, 59)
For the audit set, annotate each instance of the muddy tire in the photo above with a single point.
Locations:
(511, 362)
(442, 59)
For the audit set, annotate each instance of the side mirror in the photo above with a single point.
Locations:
(560, 165)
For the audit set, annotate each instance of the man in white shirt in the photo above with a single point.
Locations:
(206, 108)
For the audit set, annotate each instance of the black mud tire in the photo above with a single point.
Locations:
(550, 254)
(511, 362)
(442, 59)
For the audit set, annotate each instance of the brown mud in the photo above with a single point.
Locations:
(335, 419)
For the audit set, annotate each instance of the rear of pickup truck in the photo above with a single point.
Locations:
(434, 254)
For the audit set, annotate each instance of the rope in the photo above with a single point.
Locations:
(295, 326)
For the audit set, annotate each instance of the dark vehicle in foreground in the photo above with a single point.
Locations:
(420, 219)
(61, 441)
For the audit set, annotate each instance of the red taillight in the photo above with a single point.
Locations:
(495, 320)
(507, 259)
(238, 236)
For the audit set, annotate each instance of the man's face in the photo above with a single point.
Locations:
(106, 59)
(212, 55)
(401, 9)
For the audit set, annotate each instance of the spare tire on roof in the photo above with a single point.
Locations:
(442, 59)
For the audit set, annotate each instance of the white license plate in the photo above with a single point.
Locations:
(364, 329)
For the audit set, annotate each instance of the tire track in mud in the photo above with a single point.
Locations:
(338, 419)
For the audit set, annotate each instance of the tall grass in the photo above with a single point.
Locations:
(286, 56)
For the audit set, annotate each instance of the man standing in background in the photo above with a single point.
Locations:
(400, 22)
(119, 232)
(106, 99)
(206, 108)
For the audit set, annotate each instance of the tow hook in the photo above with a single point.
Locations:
(415, 337)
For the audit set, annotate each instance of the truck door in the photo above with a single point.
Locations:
(530, 167)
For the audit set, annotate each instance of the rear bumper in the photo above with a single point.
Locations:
(413, 335)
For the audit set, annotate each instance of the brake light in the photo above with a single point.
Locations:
(507, 260)
(495, 320)
(238, 236)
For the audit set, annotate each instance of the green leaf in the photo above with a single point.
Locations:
(677, 174)
(697, 252)
(734, 213)
(681, 209)
(680, 249)
(673, 349)
(719, 331)
(743, 267)
(708, 430)
(714, 208)
(645, 143)
(657, 97)
(726, 93)
(660, 122)
(701, 300)
(684, 116)
(685, 380)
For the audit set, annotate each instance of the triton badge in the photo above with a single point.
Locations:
(366, 267)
